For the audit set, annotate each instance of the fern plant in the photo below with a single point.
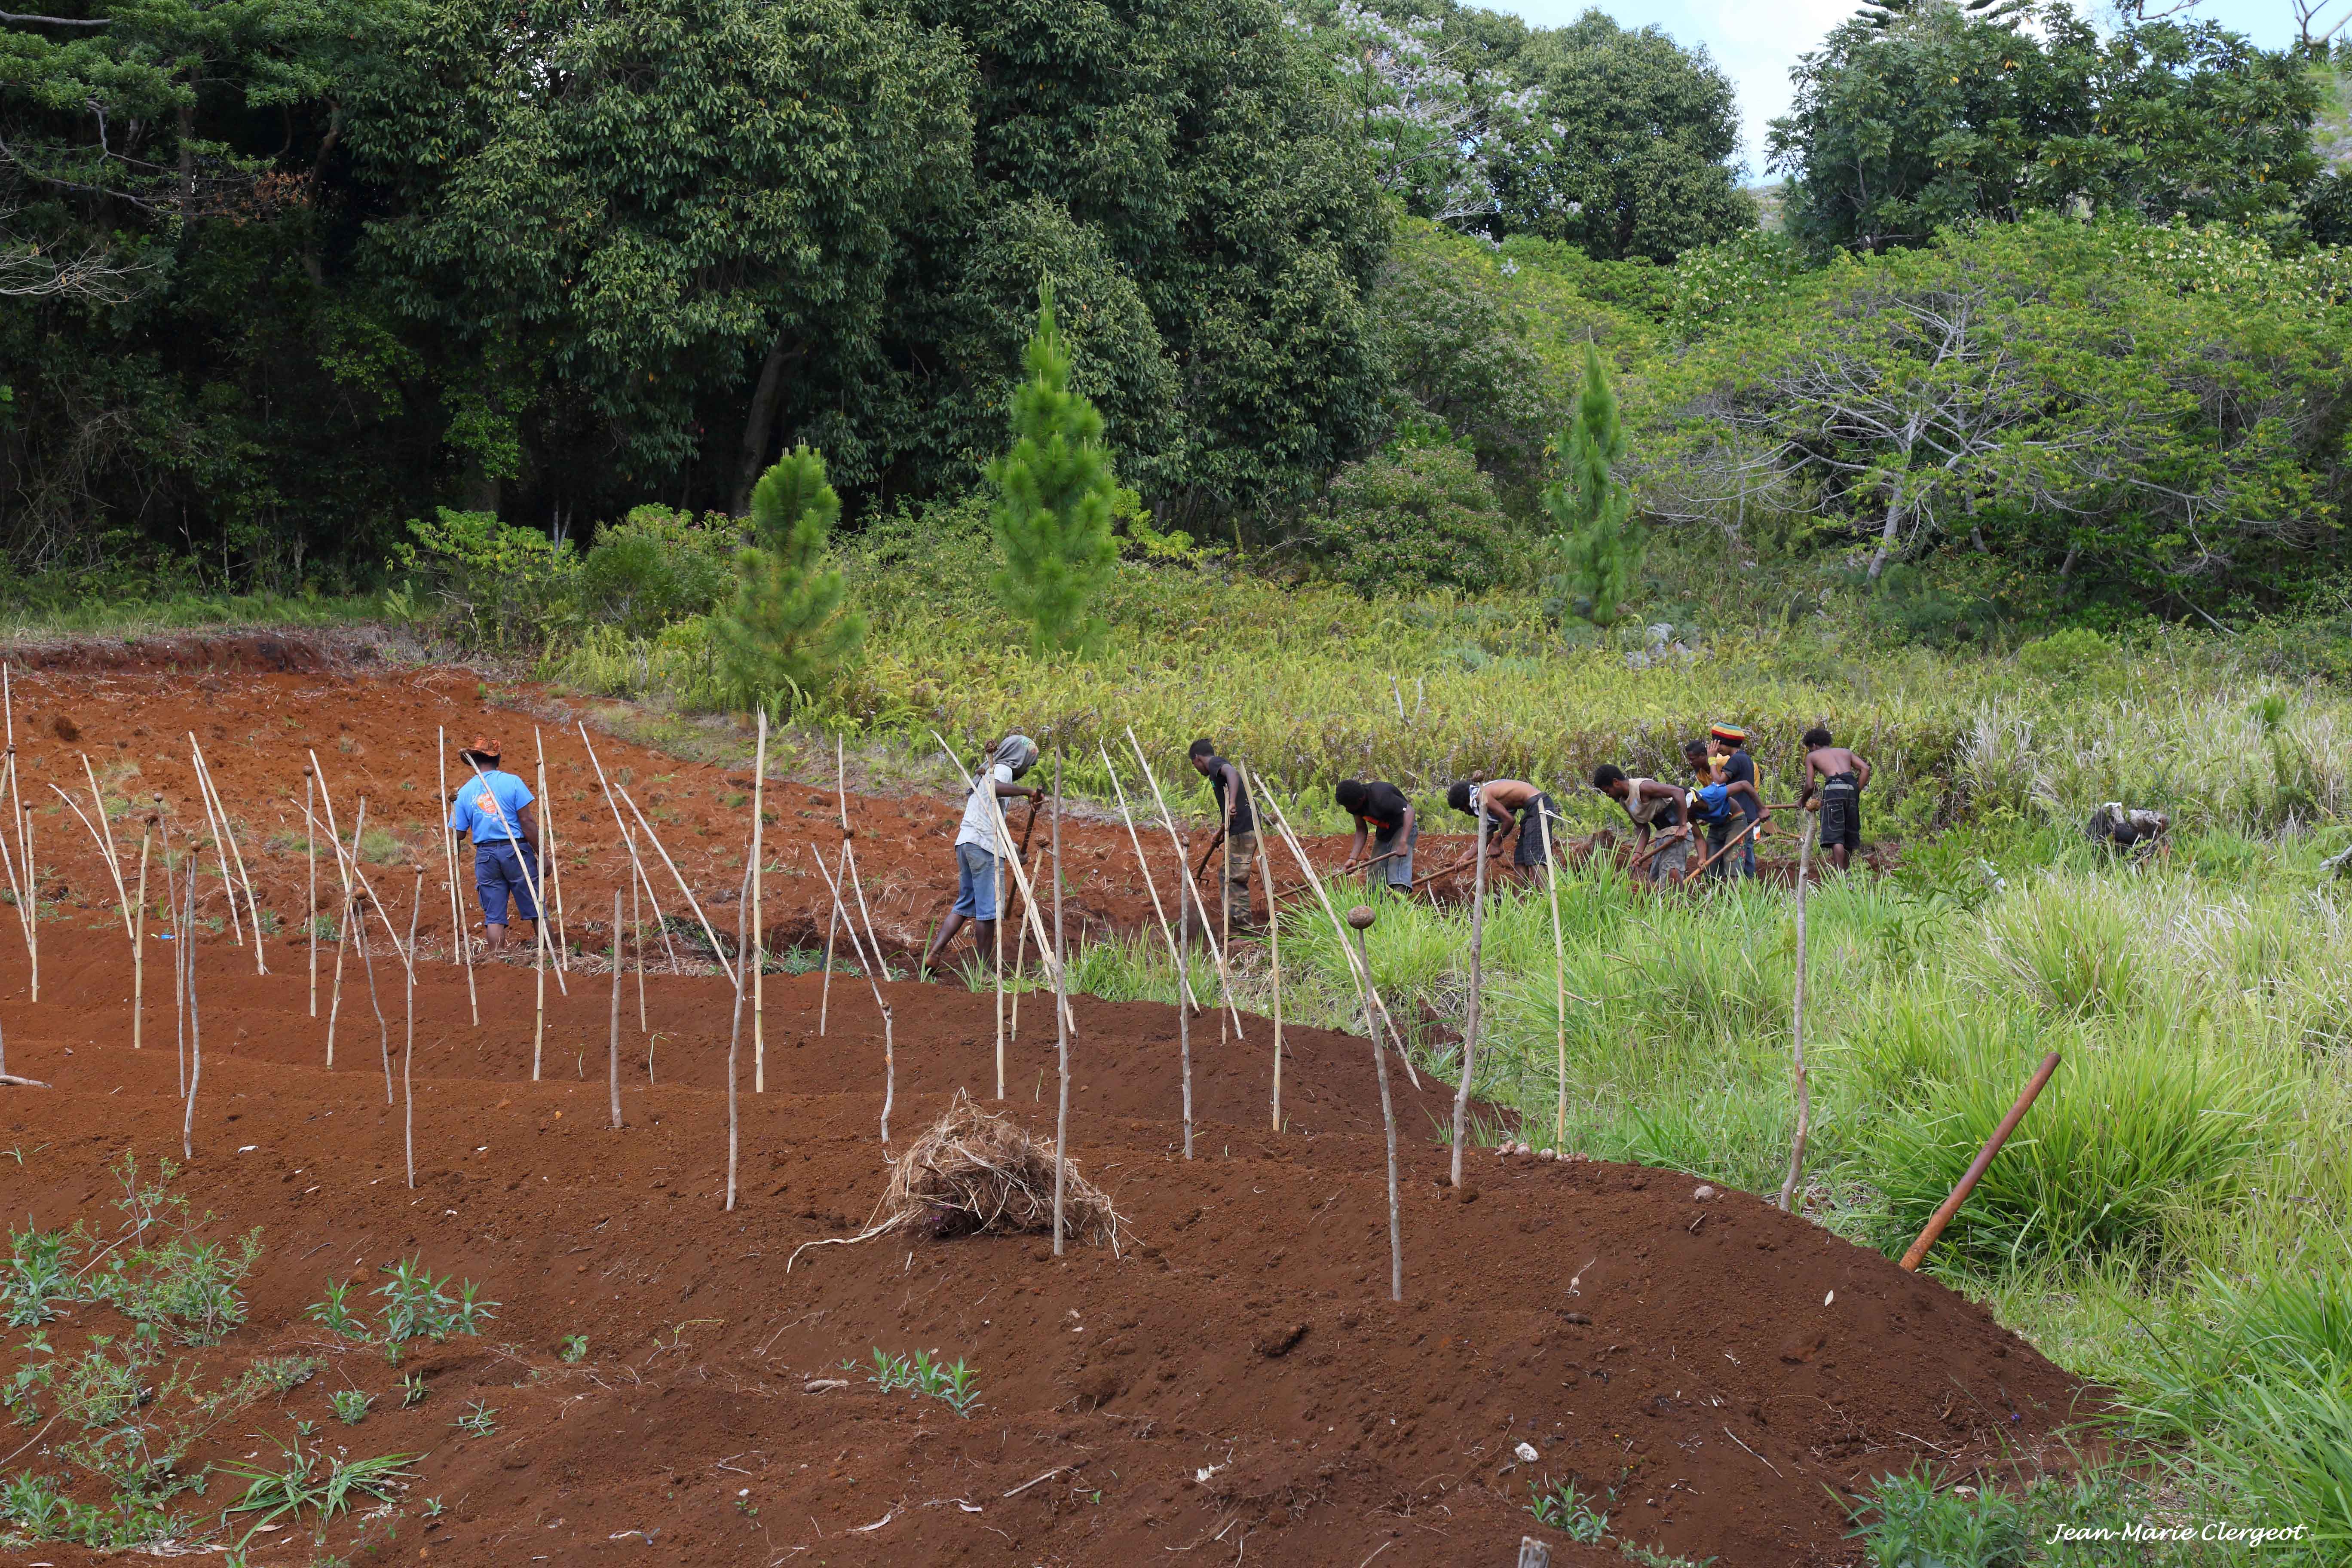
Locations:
(789, 629)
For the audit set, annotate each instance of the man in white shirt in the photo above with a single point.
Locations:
(979, 845)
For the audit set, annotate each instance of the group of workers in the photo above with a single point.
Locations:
(497, 811)
(1721, 798)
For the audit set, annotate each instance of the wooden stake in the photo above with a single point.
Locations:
(1797, 1026)
(205, 776)
(637, 930)
(344, 920)
(139, 949)
(759, 929)
(1143, 864)
(1184, 1013)
(1361, 918)
(33, 904)
(996, 930)
(537, 974)
(179, 953)
(28, 901)
(613, 1041)
(1273, 936)
(113, 858)
(310, 859)
(196, 1024)
(1560, 979)
(408, 1049)
(1951, 1206)
(654, 840)
(1470, 1020)
(734, 1047)
(637, 868)
(383, 1028)
(1062, 1035)
(554, 857)
(460, 936)
(831, 929)
(1183, 867)
(8, 857)
(1364, 973)
(220, 843)
(873, 978)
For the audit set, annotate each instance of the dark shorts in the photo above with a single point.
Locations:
(1396, 872)
(1740, 862)
(976, 876)
(499, 877)
(1841, 813)
(1529, 850)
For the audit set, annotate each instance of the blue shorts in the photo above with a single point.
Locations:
(498, 877)
(975, 882)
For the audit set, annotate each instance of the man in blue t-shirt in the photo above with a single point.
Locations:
(497, 811)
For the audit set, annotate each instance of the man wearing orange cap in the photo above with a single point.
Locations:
(497, 811)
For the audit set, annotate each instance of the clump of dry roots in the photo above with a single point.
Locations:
(976, 1172)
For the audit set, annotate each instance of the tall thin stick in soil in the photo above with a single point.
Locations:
(28, 901)
(310, 860)
(1062, 1034)
(996, 958)
(139, 946)
(857, 886)
(1470, 1017)
(688, 893)
(637, 930)
(204, 779)
(1273, 937)
(759, 930)
(1560, 980)
(1184, 870)
(637, 866)
(1797, 1026)
(220, 848)
(408, 1049)
(179, 953)
(195, 1023)
(832, 931)
(460, 937)
(8, 859)
(1355, 961)
(873, 978)
(734, 1047)
(343, 918)
(1362, 918)
(613, 1041)
(113, 858)
(383, 1028)
(33, 896)
(1186, 1003)
(554, 861)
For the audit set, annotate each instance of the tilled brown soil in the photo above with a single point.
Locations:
(1232, 1380)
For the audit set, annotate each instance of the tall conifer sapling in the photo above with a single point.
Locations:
(1600, 542)
(1054, 500)
(789, 626)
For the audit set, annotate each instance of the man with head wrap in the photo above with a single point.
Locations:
(978, 845)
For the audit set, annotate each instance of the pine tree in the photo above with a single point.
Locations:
(788, 629)
(1054, 500)
(1600, 543)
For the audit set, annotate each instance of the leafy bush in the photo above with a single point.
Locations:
(35, 1275)
(1412, 521)
(500, 587)
(2075, 653)
(657, 566)
(1908, 1521)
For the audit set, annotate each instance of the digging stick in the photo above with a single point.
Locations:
(1021, 881)
(1730, 845)
(1361, 918)
(139, 948)
(460, 937)
(1273, 940)
(205, 773)
(1951, 1206)
(195, 1024)
(637, 866)
(1477, 982)
(1560, 980)
(1796, 1028)
(1143, 864)
(1298, 853)
(759, 930)
(408, 1047)
(857, 949)
(734, 1047)
(612, 1042)
(1224, 980)
(1212, 850)
(1062, 1035)
(310, 895)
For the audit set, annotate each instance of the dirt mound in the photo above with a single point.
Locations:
(180, 654)
(1235, 1380)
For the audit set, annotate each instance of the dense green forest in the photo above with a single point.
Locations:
(2052, 303)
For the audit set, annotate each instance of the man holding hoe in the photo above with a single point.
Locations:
(1841, 776)
(1509, 805)
(1651, 805)
(497, 811)
(979, 847)
(1236, 830)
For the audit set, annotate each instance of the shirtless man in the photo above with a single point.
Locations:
(1840, 776)
(1510, 806)
(1650, 802)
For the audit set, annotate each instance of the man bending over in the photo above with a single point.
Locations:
(1510, 806)
(979, 847)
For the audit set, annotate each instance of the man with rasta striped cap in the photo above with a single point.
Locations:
(1726, 746)
(980, 845)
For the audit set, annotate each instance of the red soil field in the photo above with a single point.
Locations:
(1233, 1380)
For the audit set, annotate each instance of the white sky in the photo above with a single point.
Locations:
(1756, 41)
